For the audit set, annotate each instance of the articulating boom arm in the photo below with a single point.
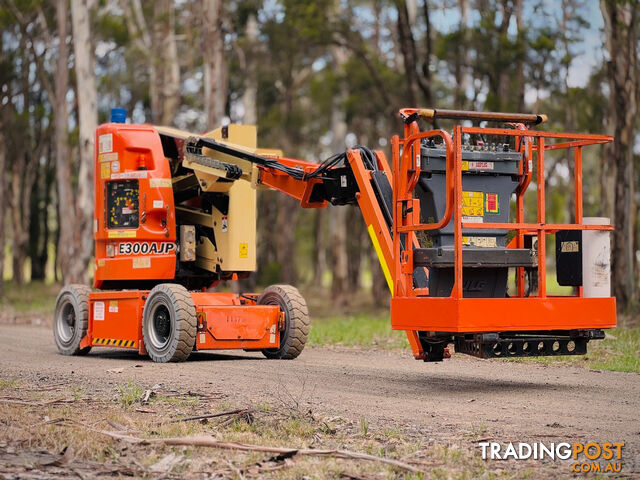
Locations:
(438, 220)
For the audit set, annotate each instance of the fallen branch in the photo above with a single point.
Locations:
(208, 441)
(203, 417)
(48, 422)
(35, 404)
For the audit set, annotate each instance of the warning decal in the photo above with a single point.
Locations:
(491, 203)
(113, 306)
(105, 143)
(98, 311)
(472, 204)
(105, 170)
(480, 241)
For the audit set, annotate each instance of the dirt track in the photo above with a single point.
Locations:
(504, 401)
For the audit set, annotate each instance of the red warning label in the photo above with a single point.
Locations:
(491, 203)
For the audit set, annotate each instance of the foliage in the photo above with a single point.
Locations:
(314, 63)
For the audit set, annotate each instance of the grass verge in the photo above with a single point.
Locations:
(620, 351)
(28, 302)
(356, 330)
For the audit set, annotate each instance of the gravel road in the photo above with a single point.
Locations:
(497, 399)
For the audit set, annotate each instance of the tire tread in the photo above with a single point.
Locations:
(296, 311)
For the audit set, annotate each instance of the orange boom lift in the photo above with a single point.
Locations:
(175, 214)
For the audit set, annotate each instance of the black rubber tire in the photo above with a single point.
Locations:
(171, 304)
(296, 314)
(71, 319)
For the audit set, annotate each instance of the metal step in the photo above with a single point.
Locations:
(475, 257)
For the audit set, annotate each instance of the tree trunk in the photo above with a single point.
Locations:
(519, 79)
(621, 37)
(268, 268)
(287, 220)
(66, 215)
(462, 58)
(3, 190)
(569, 108)
(407, 47)
(40, 256)
(319, 245)
(250, 95)
(355, 242)
(338, 217)
(23, 177)
(37, 206)
(87, 121)
(215, 75)
(164, 65)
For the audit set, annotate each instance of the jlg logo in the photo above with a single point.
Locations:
(145, 248)
(473, 285)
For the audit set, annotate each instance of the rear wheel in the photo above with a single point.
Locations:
(296, 320)
(71, 319)
(169, 323)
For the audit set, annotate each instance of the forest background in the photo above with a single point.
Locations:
(316, 76)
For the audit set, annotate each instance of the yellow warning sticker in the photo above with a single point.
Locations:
(472, 204)
(122, 234)
(465, 165)
(105, 170)
(489, 242)
(108, 157)
(244, 250)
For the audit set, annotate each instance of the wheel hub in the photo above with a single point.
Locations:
(160, 327)
(66, 323)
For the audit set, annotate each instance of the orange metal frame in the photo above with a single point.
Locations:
(411, 310)
(225, 321)
(147, 251)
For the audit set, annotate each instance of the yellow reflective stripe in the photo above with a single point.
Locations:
(383, 262)
(114, 342)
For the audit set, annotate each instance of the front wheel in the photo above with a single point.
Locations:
(169, 323)
(296, 320)
(71, 319)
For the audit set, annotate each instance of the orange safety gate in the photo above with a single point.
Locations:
(412, 310)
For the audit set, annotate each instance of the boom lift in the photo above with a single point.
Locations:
(175, 213)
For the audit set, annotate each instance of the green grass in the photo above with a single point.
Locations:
(130, 394)
(619, 352)
(360, 330)
(36, 297)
